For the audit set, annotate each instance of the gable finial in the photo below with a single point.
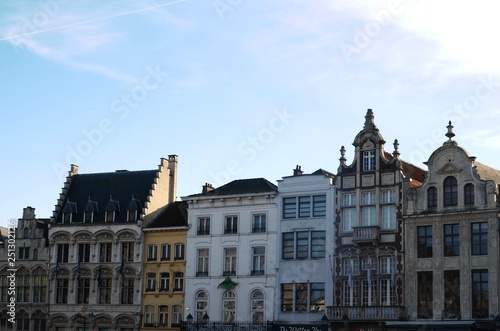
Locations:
(342, 156)
(450, 133)
(396, 149)
(369, 120)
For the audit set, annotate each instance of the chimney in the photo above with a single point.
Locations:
(207, 188)
(297, 171)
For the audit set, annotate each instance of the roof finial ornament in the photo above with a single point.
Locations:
(450, 133)
(342, 156)
(369, 120)
(396, 149)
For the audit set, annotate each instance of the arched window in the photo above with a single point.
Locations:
(201, 305)
(149, 315)
(432, 197)
(229, 306)
(163, 315)
(26, 232)
(450, 191)
(469, 194)
(257, 307)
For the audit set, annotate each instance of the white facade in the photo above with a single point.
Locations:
(235, 236)
(305, 247)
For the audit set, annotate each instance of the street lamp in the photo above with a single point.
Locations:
(82, 319)
(205, 318)
(324, 320)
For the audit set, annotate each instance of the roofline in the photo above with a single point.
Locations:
(225, 196)
(173, 228)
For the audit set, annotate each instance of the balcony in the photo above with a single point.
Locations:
(363, 313)
(366, 235)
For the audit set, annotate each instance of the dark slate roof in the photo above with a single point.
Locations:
(488, 173)
(172, 215)
(112, 190)
(241, 186)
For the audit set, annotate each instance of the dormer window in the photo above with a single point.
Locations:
(132, 215)
(67, 212)
(89, 211)
(133, 209)
(110, 216)
(111, 209)
(368, 160)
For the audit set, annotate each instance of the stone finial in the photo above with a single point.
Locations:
(396, 149)
(369, 120)
(450, 133)
(342, 156)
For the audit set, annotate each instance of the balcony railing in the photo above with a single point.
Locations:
(366, 234)
(366, 312)
(225, 326)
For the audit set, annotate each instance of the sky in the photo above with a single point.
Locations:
(236, 88)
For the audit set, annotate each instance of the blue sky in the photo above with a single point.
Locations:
(235, 88)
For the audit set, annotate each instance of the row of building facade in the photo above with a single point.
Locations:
(378, 244)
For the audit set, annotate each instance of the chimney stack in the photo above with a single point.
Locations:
(297, 171)
(207, 188)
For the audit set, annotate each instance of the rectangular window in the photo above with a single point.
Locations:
(318, 242)
(368, 216)
(127, 295)
(258, 260)
(152, 252)
(349, 200)
(62, 252)
(368, 160)
(350, 264)
(24, 253)
(367, 198)
(105, 252)
(302, 245)
(23, 288)
(319, 206)
(424, 241)
(389, 217)
(469, 194)
(84, 252)
(176, 315)
(231, 225)
(317, 297)
(178, 282)
(165, 252)
(301, 297)
(202, 269)
(287, 297)
(424, 295)
(163, 316)
(128, 251)
(349, 219)
(149, 316)
(164, 282)
(83, 290)
(479, 238)
(388, 196)
(62, 290)
(229, 261)
(452, 292)
(39, 288)
(105, 291)
(151, 282)
(288, 245)
(304, 207)
(259, 223)
(387, 264)
(179, 252)
(203, 226)
(110, 216)
(368, 293)
(451, 240)
(480, 298)
(5, 282)
(387, 293)
(132, 215)
(290, 207)
(351, 293)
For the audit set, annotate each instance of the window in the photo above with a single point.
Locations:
(469, 194)
(304, 207)
(151, 282)
(201, 305)
(349, 200)
(450, 191)
(203, 225)
(231, 225)
(389, 217)
(128, 251)
(35, 254)
(39, 321)
(202, 269)
(229, 261)
(290, 207)
(368, 160)
(424, 295)
(164, 282)
(480, 300)
(163, 315)
(432, 199)
(259, 223)
(479, 238)
(23, 286)
(451, 240)
(387, 265)
(178, 282)
(176, 315)
(62, 252)
(303, 297)
(62, 290)
(368, 211)
(88, 217)
(83, 290)
(105, 250)
(303, 245)
(26, 233)
(349, 219)
(149, 316)
(84, 252)
(258, 260)
(424, 241)
(4, 290)
(152, 252)
(179, 252)
(319, 206)
(22, 321)
(105, 290)
(110, 216)
(368, 293)
(350, 266)
(229, 306)
(132, 215)
(387, 293)
(127, 295)
(452, 291)
(388, 196)
(165, 252)
(39, 288)
(257, 307)
(24, 253)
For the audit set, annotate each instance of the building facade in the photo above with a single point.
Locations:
(452, 245)
(306, 208)
(30, 272)
(369, 267)
(164, 268)
(96, 246)
(231, 257)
